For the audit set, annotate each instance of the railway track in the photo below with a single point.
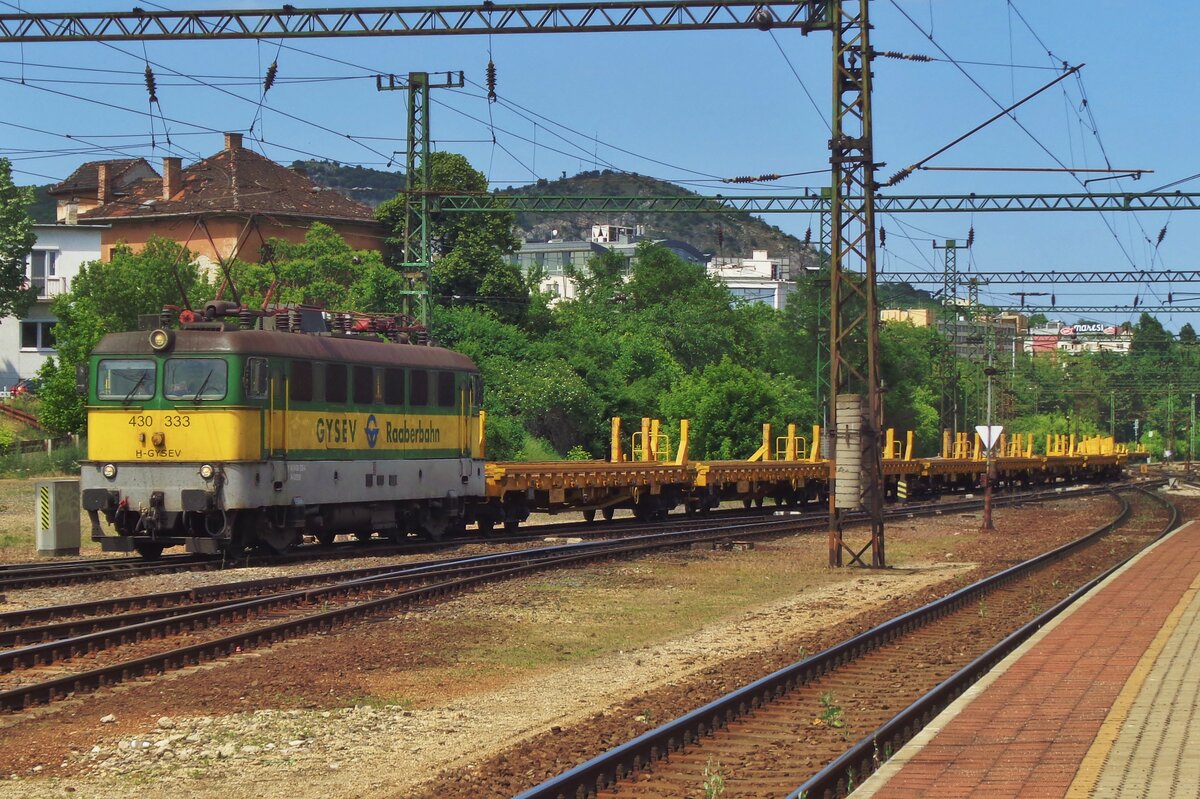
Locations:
(84, 646)
(818, 727)
(51, 573)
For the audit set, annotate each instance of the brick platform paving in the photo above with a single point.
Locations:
(1102, 702)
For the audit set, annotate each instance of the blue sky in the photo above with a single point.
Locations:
(691, 107)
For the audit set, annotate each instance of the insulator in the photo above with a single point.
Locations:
(899, 176)
(151, 84)
(763, 19)
(1170, 297)
(1162, 234)
(970, 236)
(491, 81)
(720, 236)
(269, 80)
(1136, 300)
(882, 236)
(1053, 300)
(808, 236)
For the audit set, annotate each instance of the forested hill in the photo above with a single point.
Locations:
(730, 235)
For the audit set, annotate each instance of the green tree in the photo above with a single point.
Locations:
(468, 249)
(322, 270)
(108, 298)
(16, 240)
(728, 404)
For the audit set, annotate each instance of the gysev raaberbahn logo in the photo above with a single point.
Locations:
(372, 430)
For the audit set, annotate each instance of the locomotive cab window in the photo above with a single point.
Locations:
(125, 379)
(445, 389)
(257, 378)
(195, 379)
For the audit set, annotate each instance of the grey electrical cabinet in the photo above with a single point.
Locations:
(56, 511)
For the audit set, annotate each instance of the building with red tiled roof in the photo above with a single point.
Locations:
(225, 206)
(81, 192)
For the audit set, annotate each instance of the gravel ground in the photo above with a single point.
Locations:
(383, 708)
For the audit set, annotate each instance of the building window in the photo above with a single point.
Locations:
(42, 265)
(37, 335)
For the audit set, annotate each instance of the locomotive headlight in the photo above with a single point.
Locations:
(109, 470)
(207, 471)
(161, 339)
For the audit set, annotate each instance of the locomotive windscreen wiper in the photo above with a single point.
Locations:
(136, 386)
(203, 385)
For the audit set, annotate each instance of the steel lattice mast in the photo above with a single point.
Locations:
(853, 315)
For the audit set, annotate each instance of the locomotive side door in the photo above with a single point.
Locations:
(277, 414)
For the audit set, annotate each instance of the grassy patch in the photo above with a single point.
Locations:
(579, 615)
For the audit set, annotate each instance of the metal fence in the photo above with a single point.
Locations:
(46, 445)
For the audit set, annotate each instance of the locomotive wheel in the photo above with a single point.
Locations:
(607, 513)
(149, 551)
(486, 525)
(363, 537)
(589, 516)
(512, 525)
(326, 538)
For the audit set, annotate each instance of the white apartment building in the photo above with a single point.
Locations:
(758, 278)
(25, 343)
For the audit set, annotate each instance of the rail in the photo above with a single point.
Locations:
(602, 771)
(863, 759)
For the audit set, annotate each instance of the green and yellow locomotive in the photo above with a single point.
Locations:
(220, 436)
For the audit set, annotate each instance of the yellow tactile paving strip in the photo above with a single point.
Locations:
(1149, 746)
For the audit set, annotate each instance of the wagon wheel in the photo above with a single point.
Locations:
(326, 538)
(607, 513)
(486, 525)
(589, 515)
(363, 536)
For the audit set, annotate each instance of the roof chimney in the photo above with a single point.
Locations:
(102, 183)
(233, 141)
(171, 178)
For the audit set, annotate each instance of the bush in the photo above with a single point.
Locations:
(61, 461)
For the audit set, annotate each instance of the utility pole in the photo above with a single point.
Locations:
(853, 310)
(947, 366)
(1170, 445)
(1112, 415)
(988, 477)
(418, 187)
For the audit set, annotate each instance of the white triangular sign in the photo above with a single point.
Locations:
(989, 435)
